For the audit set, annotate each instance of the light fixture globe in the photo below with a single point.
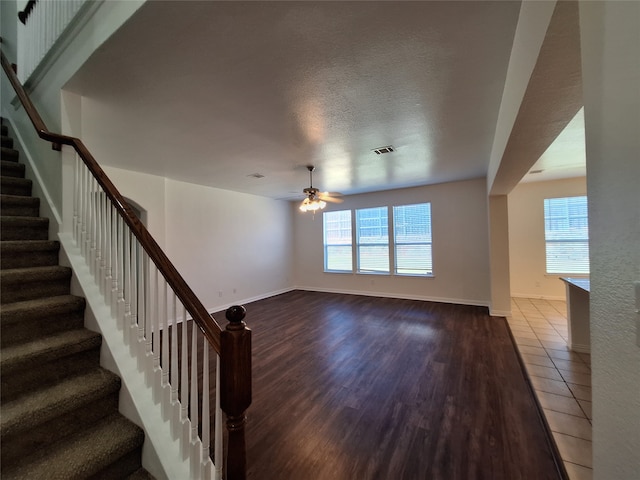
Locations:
(312, 204)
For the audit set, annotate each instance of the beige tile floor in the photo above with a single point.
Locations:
(560, 377)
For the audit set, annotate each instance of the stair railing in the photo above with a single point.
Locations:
(42, 23)
(150, 299)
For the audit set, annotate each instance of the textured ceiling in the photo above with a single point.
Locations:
(213, 92)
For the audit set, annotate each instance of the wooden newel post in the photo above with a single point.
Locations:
(235, 388)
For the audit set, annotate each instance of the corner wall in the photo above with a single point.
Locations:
(611, 77)
(527, 257)
(460, 246)
(230, 247)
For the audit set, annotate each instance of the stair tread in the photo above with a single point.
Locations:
(9, 220)
(84, 454)
(141, 474)
(15, 180)
(48, 348)
(21, 199)
(35, 408)
(12, 169)
(47, 305)
(28, 245)
(40, 273)
(9, 154)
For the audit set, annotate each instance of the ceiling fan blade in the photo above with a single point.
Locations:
(330, 199)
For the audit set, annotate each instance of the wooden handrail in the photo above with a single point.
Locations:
(206, 323)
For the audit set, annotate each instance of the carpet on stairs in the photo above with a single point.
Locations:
(59, 408)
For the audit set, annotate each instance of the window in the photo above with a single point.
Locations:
(337, 241)
(372, 240)
(566, 231)
(412, 239)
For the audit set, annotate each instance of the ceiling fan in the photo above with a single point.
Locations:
(315, 199)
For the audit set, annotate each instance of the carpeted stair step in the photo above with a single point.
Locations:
(26, 321)
(6, 141)
(140, 474)
(19, 284)
(28, 253)
(15, 186)
(19, 205)
(4, 130)
(34, 422)
(29, 366)
(109, 450)
(24, 228)
(11, 169)
(9, 154)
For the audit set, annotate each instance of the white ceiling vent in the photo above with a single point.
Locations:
(256, 175)
(533, 172)
(381, 150)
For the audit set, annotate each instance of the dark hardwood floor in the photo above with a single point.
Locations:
(357, 388)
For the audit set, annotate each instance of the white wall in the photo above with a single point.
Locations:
(148, 191)
(460, 246)
(44, 89)
(527, 261)
(229, 242)
(610, 44)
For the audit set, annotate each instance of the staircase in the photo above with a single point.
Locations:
(59, 408)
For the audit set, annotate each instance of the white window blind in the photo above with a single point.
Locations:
(372, 240)
(412, 239)
(566, 230)
(337, 241)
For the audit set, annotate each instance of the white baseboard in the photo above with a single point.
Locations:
(580, 348)
(220, 308)
(424, 298)
(540, 297)
(499, 313)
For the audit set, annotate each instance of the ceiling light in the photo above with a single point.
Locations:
(312, 204)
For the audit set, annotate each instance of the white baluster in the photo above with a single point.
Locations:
(84, 248)
(206, 422)
(193, 403)
(131, 295)
(119, 269)
(153, 312)
(143, 295)
(217, 453)
(94, 227)
(123, 303)
(107, 256)
(116, 292)
(76, 193)
(184, 388)
(174, 383)
(164, 381)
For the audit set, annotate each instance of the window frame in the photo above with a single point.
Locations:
(569, 267)
(428, 242)
(359, 245)
(325, 215)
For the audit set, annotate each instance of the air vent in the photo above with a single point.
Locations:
(381, 150)
(535, 171)
(256, 175)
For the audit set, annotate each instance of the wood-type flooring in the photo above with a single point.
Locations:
(350, 387)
